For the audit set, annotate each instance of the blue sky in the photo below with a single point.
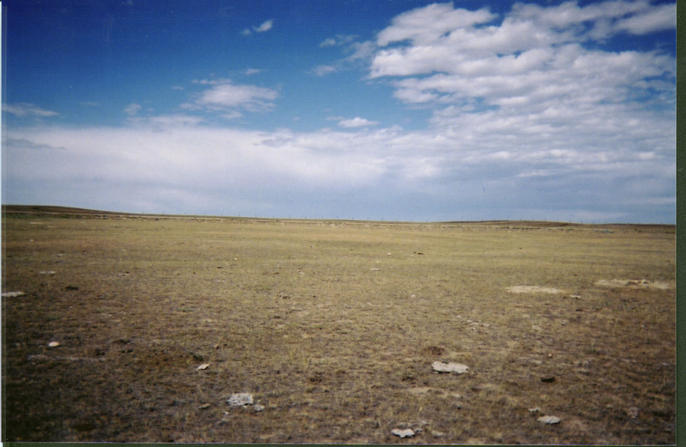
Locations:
(395, 110)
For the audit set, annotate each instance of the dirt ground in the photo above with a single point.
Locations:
(333, 327)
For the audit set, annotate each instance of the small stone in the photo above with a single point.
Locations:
(258, 408)
(71, 288)
(374, 269)
(403, 433)
(203, 367)
(534, 410)
(549, 420)
(53, 344)
(240, 400)
(632, 412)
(13, 294)
(204, 406)
(456, 368)
(548, 379)
(46, 272)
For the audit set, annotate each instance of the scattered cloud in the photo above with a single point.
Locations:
(132, 109)
(356, 122)
(177, 87)
(252, 71)
(357, 54)
(224, 95)
(338, 40)
(328, 42)
(264, 27)
(323, 70)
(468, 67)
(24, 109)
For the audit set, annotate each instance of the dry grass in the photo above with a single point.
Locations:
(333, 327)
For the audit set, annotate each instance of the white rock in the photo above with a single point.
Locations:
(549, 419)
(258, 408)
(46, 272)
(403, 433)
(534, 410)
(456, 368)
(53, 344)
(13, 294)
(240, 400)
(203, 366)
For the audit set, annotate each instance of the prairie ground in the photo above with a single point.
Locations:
(333, 327)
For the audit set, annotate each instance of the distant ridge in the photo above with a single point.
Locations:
(66, 211)
(51, 209)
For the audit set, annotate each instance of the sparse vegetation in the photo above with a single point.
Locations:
(333, 328)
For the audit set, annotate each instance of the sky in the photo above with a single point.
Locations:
(348, 109)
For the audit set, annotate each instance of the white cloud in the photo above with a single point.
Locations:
(356, 122)
(328, 42)
(656, 19)
(338, 40)
(323, 70)
(252, 71)
(357, 54)
(223, 94)
(165, 121)
(132, 109)
(533, 59)
(426, 24)
(265, 26)
(24, 109)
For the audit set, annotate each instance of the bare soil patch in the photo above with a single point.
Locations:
(636, 283)
(160, 321)
(534, 289)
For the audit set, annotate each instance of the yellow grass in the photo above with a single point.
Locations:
(333, 327)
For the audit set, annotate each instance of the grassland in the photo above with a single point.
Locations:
(333, 327)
